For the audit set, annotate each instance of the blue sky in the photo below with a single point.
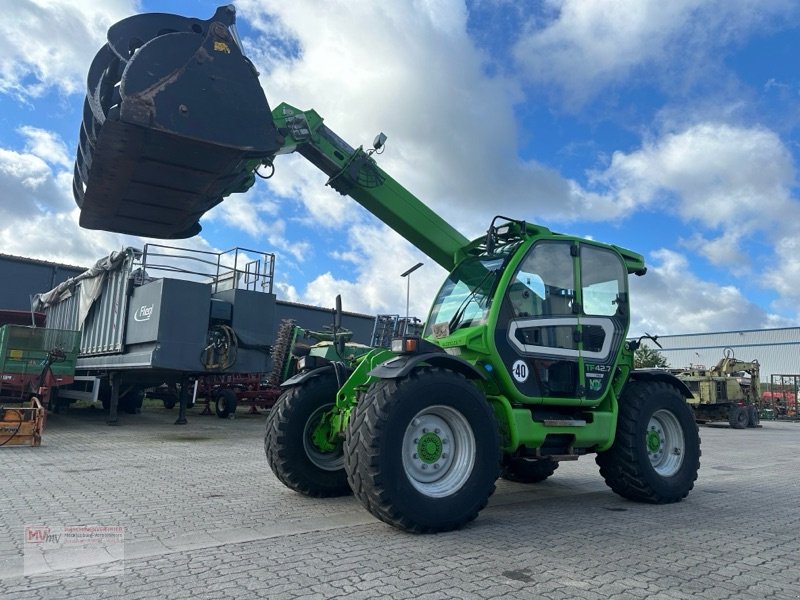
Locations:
(670, 128)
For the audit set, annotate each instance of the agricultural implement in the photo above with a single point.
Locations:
(33, 362)
(722, 393)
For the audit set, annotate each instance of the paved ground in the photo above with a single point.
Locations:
(205, 518)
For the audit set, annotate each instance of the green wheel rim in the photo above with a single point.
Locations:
(327, 461)
(429, 447)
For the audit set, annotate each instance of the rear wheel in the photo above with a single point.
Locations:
(131, 402)
(656, 452)
(528, 470)
(224, 402)
(293, 455)
(753, 419)
(738, 417)
(423, 452)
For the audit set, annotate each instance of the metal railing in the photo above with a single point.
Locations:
(238, 268)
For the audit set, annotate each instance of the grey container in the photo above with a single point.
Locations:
(175, 323)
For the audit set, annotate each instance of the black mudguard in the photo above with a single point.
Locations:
(302, 376)
(402, 365)
(659, 375)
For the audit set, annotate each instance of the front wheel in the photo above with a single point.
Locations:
(422, 453)
(293, 454)
(656, 453)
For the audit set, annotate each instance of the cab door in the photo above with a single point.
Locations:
(603, 316)
(551, 342)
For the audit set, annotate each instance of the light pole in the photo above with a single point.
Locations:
(408, 292)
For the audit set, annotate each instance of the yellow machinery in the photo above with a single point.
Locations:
(724, 392)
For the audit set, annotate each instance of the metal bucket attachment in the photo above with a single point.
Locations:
(174, 120)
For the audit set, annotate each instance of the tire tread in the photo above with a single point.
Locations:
(620, 466)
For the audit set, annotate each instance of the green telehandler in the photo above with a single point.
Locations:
(523, 361)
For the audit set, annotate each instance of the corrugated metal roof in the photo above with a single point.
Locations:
(38, 261)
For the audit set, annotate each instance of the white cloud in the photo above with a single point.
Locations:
(591, 44)
(240, 212)
(416, 75)
(731, 181)
(57, 237)
(378, 257)
(671, 299)
(297, 181)
(783, 273)
(46, 145)
(50, 44)
(28, 185)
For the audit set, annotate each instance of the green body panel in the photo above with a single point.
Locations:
(333, 425)
(328, 350)
(518, 429)
(354, 173)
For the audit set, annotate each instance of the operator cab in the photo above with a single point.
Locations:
(558, 321)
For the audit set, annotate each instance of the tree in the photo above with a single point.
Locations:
(646, 357)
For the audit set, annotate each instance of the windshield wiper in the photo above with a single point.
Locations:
(455, 321)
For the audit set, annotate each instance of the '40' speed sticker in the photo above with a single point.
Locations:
(520, 371)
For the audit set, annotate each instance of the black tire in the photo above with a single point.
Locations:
(170, 402)
(738, 417)
(53, 405)
(225, 402)
(104, 394)
(131, 402)
(528, 470)
(291, 453)
(402, 427)
(753, 419)
(653, 416)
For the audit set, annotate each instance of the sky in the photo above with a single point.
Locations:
(670, 128)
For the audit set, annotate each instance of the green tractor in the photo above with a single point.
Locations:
(523, 363)
(523, 360)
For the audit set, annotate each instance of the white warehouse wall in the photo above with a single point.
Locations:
(776, 350)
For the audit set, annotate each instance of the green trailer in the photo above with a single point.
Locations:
(35, 360)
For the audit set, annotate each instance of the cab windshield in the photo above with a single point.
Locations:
(466, 296)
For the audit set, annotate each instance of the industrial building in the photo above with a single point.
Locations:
(776, 350)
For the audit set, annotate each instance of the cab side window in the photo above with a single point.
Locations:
(543, 287)
(544, 284)
(602, 282)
